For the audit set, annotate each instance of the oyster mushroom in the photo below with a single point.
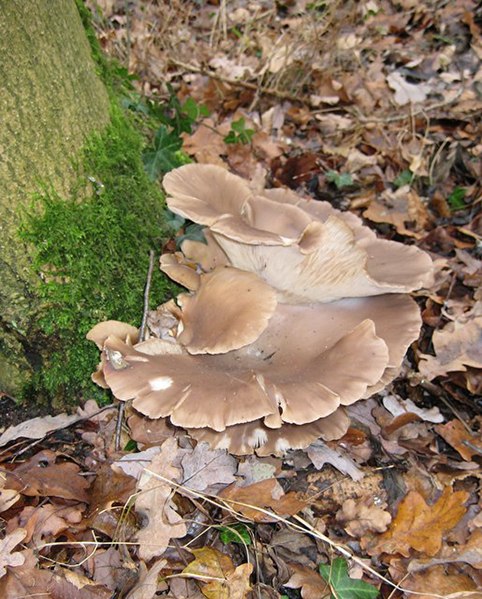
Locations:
(309, 361)
(294, 310)
(317, 254)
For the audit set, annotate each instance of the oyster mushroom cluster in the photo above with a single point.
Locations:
(293, 310)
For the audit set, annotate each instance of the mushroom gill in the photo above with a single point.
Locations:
(317, 254)
(293, 311)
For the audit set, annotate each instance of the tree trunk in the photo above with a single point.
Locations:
(50, 99)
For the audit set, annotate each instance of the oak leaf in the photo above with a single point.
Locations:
(420, 526)
(8, 557)
(309, 581)
(154, 502)
(224, 581)
(266, 494)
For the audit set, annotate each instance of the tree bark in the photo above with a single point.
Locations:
(50, 99)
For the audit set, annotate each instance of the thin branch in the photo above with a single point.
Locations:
(142, 335)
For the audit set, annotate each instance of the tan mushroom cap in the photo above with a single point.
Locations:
(99, 333)
(244, 439)
(308, 362)
(231, 309)
(175, 267)
(308, 251)
(208, 255)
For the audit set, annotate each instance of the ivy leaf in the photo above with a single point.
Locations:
(236, 533)
(162, 157)
(339, 179)
(193, 232)
(342, 586)
(404, 178)
(456, 199)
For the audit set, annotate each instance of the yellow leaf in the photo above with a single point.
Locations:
(420, 526)
(223, 580)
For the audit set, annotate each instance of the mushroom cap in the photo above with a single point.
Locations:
(308, 362)
(177, 268)
(231, 309)
(308, 251)
(99, 333)
(244, 439)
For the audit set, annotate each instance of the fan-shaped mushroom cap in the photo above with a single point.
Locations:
(208, 255)
(308, 362)
(99, 333)
(244, 439)
(231, 309)
(307, 251)
(175, 267)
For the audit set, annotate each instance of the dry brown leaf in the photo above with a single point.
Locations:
(8, 497)
(266, 494)
(205, 467)
(309, 581)
(460, 439)
(320, 454)
(184, 588)
(224, 581)
(456, 346)
(358, 518)
(420, 526)
(45, 521)
(470, 553)
(206, 144)
(37, 428)
(8, 557)
(398, 208)
(437, 582)
(41, 476)
(146, 587)
(149, 432)
(154, 503)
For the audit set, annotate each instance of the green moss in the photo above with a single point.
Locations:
(92, 252)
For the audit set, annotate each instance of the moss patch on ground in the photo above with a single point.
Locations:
(92, 252)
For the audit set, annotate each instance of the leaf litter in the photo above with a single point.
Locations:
(374, 107)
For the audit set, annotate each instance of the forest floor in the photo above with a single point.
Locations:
(374, 106)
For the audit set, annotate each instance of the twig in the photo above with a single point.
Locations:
(142, 334)
(268, 91)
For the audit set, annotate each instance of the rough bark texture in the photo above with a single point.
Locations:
(50, 99)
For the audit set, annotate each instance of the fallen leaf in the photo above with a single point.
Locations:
(437, 582)
(224, 581)
(206, 144)
(146, 586)
(147, 431)
(37, 428)
(456, 346)
(399, 208)
(184, 588)
(266, 494)
(309, 581)
(460, 439)
(41, 476)
(358, 518)
(406, 92)
(45, 521)
(133, 464)
(470, 553)
(320, 454)
(154, 503)
(206, 467)
(398, 407)
(420, 526)
(336, 575)
(8, 557)
(8, 497)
